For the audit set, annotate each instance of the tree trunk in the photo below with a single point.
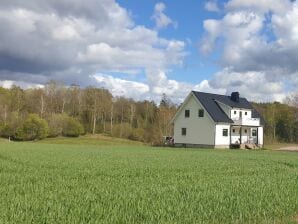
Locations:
(104, 122)
(112, 109)
(131, 114)
(5, 114)
(41, 106)
(63, 105)
(121, 122)
(94, 123)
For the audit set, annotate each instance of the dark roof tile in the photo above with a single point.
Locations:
(208, 100)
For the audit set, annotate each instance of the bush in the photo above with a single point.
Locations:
(6, 131)
(9, 129)
(56, 124)
(153, 136)
(122, 130)
(137, 134)
(72, 127)
(62, 124)
(33, 128)
(2, 126)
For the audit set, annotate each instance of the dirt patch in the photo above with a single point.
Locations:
(289, 148)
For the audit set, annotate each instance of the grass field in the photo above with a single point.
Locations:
(98, 140)
(132, 183)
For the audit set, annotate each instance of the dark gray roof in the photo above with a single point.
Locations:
(256, 114)
(209, 101)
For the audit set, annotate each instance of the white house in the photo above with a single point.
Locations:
(217, 121)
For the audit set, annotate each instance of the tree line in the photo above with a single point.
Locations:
(57, 110)
(281, 120)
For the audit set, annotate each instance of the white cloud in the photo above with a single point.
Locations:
(69, 40)
(157, 85)
(211, 6)
(259, 48)
(160, 18)
(253, 85)
(25, 85)
(204, 86)
(263, 6)
(285, 26)
(121, 87)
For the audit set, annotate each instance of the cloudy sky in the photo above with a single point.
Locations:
(142, 49)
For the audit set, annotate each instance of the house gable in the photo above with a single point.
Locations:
(197, 130)
(182, 107)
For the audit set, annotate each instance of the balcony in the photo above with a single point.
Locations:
(247, 121)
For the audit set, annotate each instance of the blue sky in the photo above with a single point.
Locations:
(189, 16)
(143, 49)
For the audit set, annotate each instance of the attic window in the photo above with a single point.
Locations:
(187, 113)
(201, 113)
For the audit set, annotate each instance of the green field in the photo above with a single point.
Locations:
(132, 183)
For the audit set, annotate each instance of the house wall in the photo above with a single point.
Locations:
(200, 130)
(236, 116)
(220, 140)
(260, 135)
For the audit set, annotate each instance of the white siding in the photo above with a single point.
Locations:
(220, 140)
(200, 130)
(235, 135)
(236, 116)
(245, 137)
(260, 135)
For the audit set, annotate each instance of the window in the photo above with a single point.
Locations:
(233, 130)
(187, 113)
(183, 131)
(245, 113)
(245, 130)
(201, 113)
(235, 112)
(224, 132)
(254, 132)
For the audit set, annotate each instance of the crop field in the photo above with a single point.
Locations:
(132, 183)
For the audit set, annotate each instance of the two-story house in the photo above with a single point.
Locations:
(217, 121)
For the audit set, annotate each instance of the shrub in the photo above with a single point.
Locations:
(6, 131)
(62, 124)
(33, 128)
(1, 128)
(153, 135)
(122, 130)
(137, 134)
(13, 122)
(56, 124)
(72, 127)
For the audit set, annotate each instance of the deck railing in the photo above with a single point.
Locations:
(247, 121)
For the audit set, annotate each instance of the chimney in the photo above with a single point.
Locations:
(235, 96)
